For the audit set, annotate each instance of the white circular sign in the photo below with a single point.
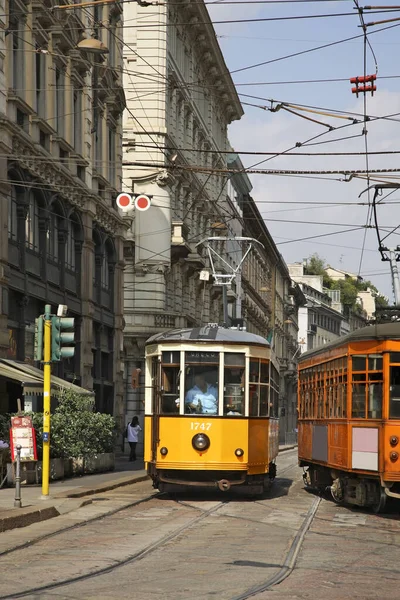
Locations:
(142, 202)
(124, 201)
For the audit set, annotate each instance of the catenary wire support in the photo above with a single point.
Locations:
(391, 255)
(223, 272)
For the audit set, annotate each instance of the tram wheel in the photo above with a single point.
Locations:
(380, 505)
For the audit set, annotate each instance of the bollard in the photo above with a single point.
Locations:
(17, 501)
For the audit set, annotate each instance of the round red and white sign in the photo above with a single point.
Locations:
(124, 201)
(142, 202)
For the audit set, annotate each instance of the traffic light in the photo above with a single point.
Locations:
(60, 337)
(38, 352)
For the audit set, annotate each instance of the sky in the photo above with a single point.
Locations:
(246, 44)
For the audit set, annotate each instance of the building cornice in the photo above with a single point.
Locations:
(207, 45)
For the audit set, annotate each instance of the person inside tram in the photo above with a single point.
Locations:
(202, 398)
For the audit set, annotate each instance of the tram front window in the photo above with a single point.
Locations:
(234, 382)
(201, 383)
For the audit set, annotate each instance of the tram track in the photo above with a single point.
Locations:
(119, 563)
(89, 521)
(290, 559)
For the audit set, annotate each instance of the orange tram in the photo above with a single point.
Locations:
(349, 416)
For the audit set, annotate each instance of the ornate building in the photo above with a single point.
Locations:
(180, 100)
(61, 128)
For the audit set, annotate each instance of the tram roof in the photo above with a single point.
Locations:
(382, 331)
(209, 334)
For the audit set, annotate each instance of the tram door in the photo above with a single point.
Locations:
(156, 406)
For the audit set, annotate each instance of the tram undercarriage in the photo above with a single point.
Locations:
(346, 488)
(168, 480)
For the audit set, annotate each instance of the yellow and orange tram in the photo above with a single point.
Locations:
(349, 416)
(211, 408)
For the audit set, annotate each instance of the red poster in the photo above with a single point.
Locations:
(22, 433)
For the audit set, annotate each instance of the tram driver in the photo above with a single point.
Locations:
(202, 398)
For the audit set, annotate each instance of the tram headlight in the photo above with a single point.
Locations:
(394, 440)
(201, 441)
(164, 451)
(394, 456)
(239, 452)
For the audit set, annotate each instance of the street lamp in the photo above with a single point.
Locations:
(93, 46)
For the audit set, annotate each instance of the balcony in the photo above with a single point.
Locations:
(180, 247)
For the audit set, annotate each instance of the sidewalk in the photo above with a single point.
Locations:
(69, 494)
(65, 495)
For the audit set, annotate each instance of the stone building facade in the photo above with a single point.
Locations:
(60, 170)
(180, 101)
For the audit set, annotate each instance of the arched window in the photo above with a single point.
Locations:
(52, 236)
(105, 271)
(70, 251)
(32, 224)
(12, 214)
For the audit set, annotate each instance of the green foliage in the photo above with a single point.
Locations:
(348, 287)
(75, 429)
(316, 265)
(4, 428)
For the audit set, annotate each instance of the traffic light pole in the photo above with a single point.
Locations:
(46, 401)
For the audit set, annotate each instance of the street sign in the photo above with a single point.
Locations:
(142, 202)
(126, 202)
(23, 434)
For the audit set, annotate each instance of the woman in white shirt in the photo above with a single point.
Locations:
(132, 433)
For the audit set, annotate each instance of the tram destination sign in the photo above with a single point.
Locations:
(202, 357)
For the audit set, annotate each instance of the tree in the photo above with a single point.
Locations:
(349, 287)
(315, 265)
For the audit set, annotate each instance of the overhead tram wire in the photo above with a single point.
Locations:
(365, 131)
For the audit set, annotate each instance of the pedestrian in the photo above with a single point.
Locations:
(132, 432)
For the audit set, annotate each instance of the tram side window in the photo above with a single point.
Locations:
(170, 382)
(394, 393)
(201, 383)
(234, 382)
(367, 386)
(261, 397)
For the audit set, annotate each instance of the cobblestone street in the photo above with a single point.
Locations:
(210, 546)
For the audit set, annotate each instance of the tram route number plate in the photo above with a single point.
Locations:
(196, 425)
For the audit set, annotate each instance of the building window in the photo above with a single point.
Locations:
(32, 224)
(44, 140)
(18, 60)
(77, 143)
(52, 237)
(70, 258)
(59, 101)
(40, 91)
(105, 272)
(12, 214)
(111, 155)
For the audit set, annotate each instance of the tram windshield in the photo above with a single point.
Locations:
(234, 383)
(201, 383)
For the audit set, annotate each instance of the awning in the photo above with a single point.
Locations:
(9, 372)
(32, 379)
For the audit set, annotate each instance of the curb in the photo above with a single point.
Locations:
(287, 448)
(21, 517)
(102, 487)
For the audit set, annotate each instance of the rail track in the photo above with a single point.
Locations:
(116, 564)
(282, 573)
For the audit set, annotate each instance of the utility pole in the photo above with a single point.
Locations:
(49, 348)
(46, 401)
(393, 257)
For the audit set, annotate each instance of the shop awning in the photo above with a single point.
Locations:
(31, 379)
(9, 372)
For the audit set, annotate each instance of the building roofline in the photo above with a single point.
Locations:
(214, 47)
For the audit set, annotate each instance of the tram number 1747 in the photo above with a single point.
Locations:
(195, 425)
